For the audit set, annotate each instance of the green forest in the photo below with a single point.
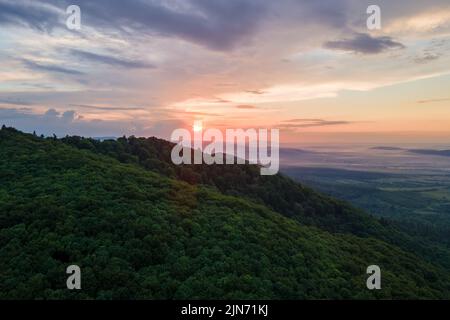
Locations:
(140, 227)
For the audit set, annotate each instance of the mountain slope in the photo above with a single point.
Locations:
(138, 234)
(278, 193)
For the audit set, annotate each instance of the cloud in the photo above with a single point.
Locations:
(218, 24)
(36, 66)
(196, 113)
(303, 120)
(433, 100)
(246, 106)
(309, 123)
(31, 14)
(365, 44)
(84, 106)
(255, 91)
(16, 102)
(69, 122)
(12, 113)
(69, 115)
(51, 113)
(110, 60)
(427, 57)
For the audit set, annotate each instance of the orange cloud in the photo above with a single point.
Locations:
(246, 106)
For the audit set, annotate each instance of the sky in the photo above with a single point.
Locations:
(311, 69)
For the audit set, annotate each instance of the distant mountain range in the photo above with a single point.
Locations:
(443, 153)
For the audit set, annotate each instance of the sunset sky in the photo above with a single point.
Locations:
(309, 68)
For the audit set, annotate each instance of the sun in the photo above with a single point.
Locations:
(197, 127)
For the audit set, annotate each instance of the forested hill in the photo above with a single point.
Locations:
(126, 216)
(278, 193)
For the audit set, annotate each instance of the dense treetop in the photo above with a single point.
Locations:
(140, 227)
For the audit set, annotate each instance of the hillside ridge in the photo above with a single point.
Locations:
(140, 234)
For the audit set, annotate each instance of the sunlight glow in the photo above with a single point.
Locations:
(197, 127)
